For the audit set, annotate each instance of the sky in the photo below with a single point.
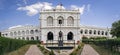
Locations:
(99, 13)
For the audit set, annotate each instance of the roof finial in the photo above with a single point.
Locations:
(61, 4)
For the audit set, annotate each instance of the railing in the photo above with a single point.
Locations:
(54, 43)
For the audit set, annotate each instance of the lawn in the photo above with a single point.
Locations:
(103, 51)
(20, 51)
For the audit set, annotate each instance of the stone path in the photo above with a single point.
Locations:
(33, 50)
(88, 50)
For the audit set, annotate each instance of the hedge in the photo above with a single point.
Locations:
(110, 44)
(8, 45)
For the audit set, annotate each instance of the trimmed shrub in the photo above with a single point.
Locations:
(44, 51)
(73, 53)
(110, 44)
(51, 53)
(8, 45)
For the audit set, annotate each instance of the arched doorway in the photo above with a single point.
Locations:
(32, 38)
(50, 36)
(27, 38)
(70, 36)
(23, 38)
(37, 38)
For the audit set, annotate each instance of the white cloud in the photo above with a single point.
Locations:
(15, 26)
(81, 9)
(35, 8)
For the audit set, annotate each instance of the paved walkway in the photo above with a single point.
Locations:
(88, 50)
(33, 50)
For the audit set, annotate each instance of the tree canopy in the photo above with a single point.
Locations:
(115, 30)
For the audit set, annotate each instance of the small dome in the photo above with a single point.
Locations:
(60, 7)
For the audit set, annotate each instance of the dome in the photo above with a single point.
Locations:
(60, 7)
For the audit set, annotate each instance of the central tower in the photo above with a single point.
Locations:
(59, 24)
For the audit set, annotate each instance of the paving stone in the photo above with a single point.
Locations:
(33, 50)
(88, 50)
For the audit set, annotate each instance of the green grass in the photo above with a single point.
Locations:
(78, 50)
(43, 50)
(20, 51)
(8, 44)
(103, 51)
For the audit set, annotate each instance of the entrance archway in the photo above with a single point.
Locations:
(32, 38)
(37, 38)
(50, 36)
(70, 36)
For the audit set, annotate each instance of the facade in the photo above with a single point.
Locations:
(27, 32)
(70, 25)
(91, 31)
(57, 26)
(59, 20)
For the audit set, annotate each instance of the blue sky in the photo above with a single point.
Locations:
(101, 13)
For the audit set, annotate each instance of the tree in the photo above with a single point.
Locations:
(115, 30)
(0, 34)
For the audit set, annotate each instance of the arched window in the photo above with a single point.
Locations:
(60, 20)
(50, 21)
(6, 34)
(27, 31)
(81, 31)
(19, 33)
(15, 33)
(70, 36)
(50, 36)
(102, 32)
(36, 31)
(90, 31)
(70, 21)
(94, 31)
(23, 32)
(31, 32)
(11, 33)
(106, 33)
(86, 31)
(98, 32)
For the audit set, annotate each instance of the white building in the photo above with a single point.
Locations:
(58, 26)
(27, 32)
(70, 25)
